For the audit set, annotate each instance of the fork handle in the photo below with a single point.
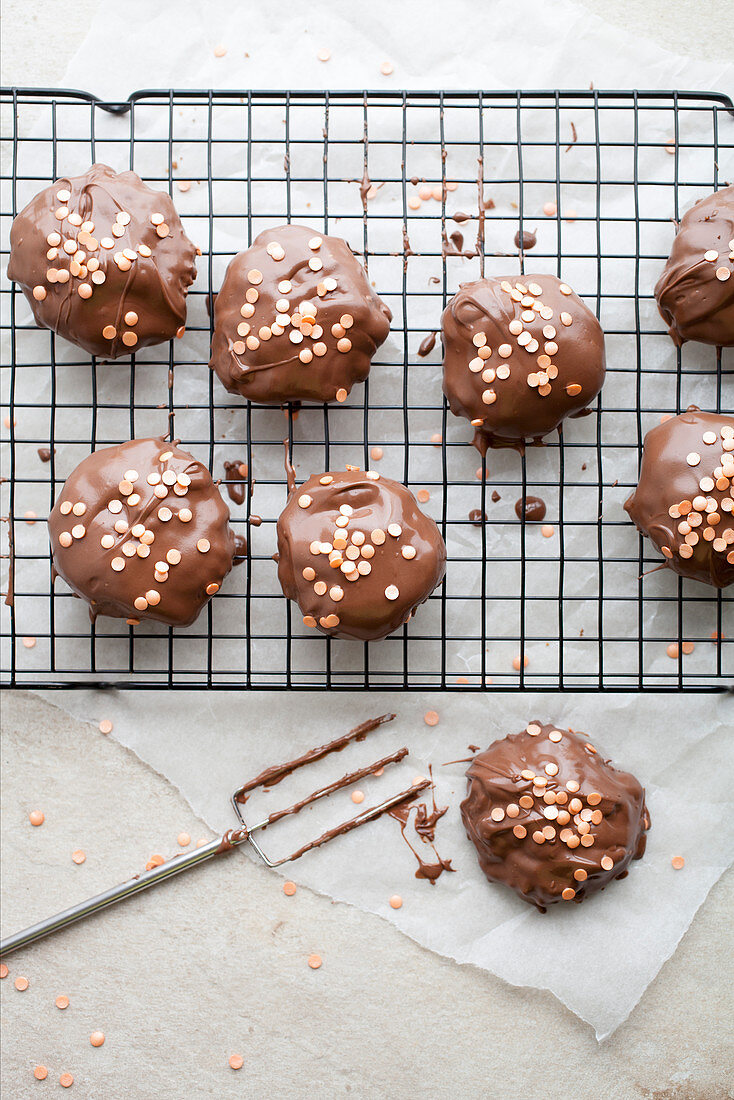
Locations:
(134, 885)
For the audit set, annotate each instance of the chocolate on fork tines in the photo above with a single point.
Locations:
(244, 832)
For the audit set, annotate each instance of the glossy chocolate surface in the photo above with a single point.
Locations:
(296, 319)
(357, 554)
(104, 262)
(140, 531)
(550, 818)
(520, 355)
(695, 292)
(684, 500)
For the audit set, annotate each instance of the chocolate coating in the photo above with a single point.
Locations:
(684, 499)
(174, 545)
(296, 319)
(362, 519)
(519, 356)
(87, 274)
(695, 292)
(561, 839)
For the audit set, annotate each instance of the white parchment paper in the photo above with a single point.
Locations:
(597, 958)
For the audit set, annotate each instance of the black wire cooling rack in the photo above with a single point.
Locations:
(598, 177)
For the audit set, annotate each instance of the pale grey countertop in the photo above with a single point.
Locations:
(215, 963)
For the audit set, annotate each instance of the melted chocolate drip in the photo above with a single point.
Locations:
(427, 344)
(236, 476)
(278, 772)
(534, 509)
(424, 824)
(477, 517)
(290, 473)
(459, 217)
(240, 550)
(495, 496)
(44, 453)
(525, 240)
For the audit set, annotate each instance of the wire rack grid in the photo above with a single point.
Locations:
(597, 177)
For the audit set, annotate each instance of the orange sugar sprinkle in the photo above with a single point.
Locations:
(423, 495)
(183, 840)
(357, 796)
(323, 54)
(431, 718)
(516, 663)
(236, 1061)
(154, 861)
(550, 209)
(97, 1038)
(36, 817)
(314, 961)
(105, 726)
(62, 1001)
(480, 474)
(289, 888)
(66, 1080)
(78, 855)
(547, 531)
(40, 1073)
(677, 862)
(220, 51)
(437, 439)
(673, 651)
(462, 679)
(688, 647)
(29, 642)
(3, 970)
(386, 68)
(184, 185)
(21, 984)
(376, 454)
(396, 901)
(30, 518)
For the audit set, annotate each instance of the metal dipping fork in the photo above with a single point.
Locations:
(234, 837)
